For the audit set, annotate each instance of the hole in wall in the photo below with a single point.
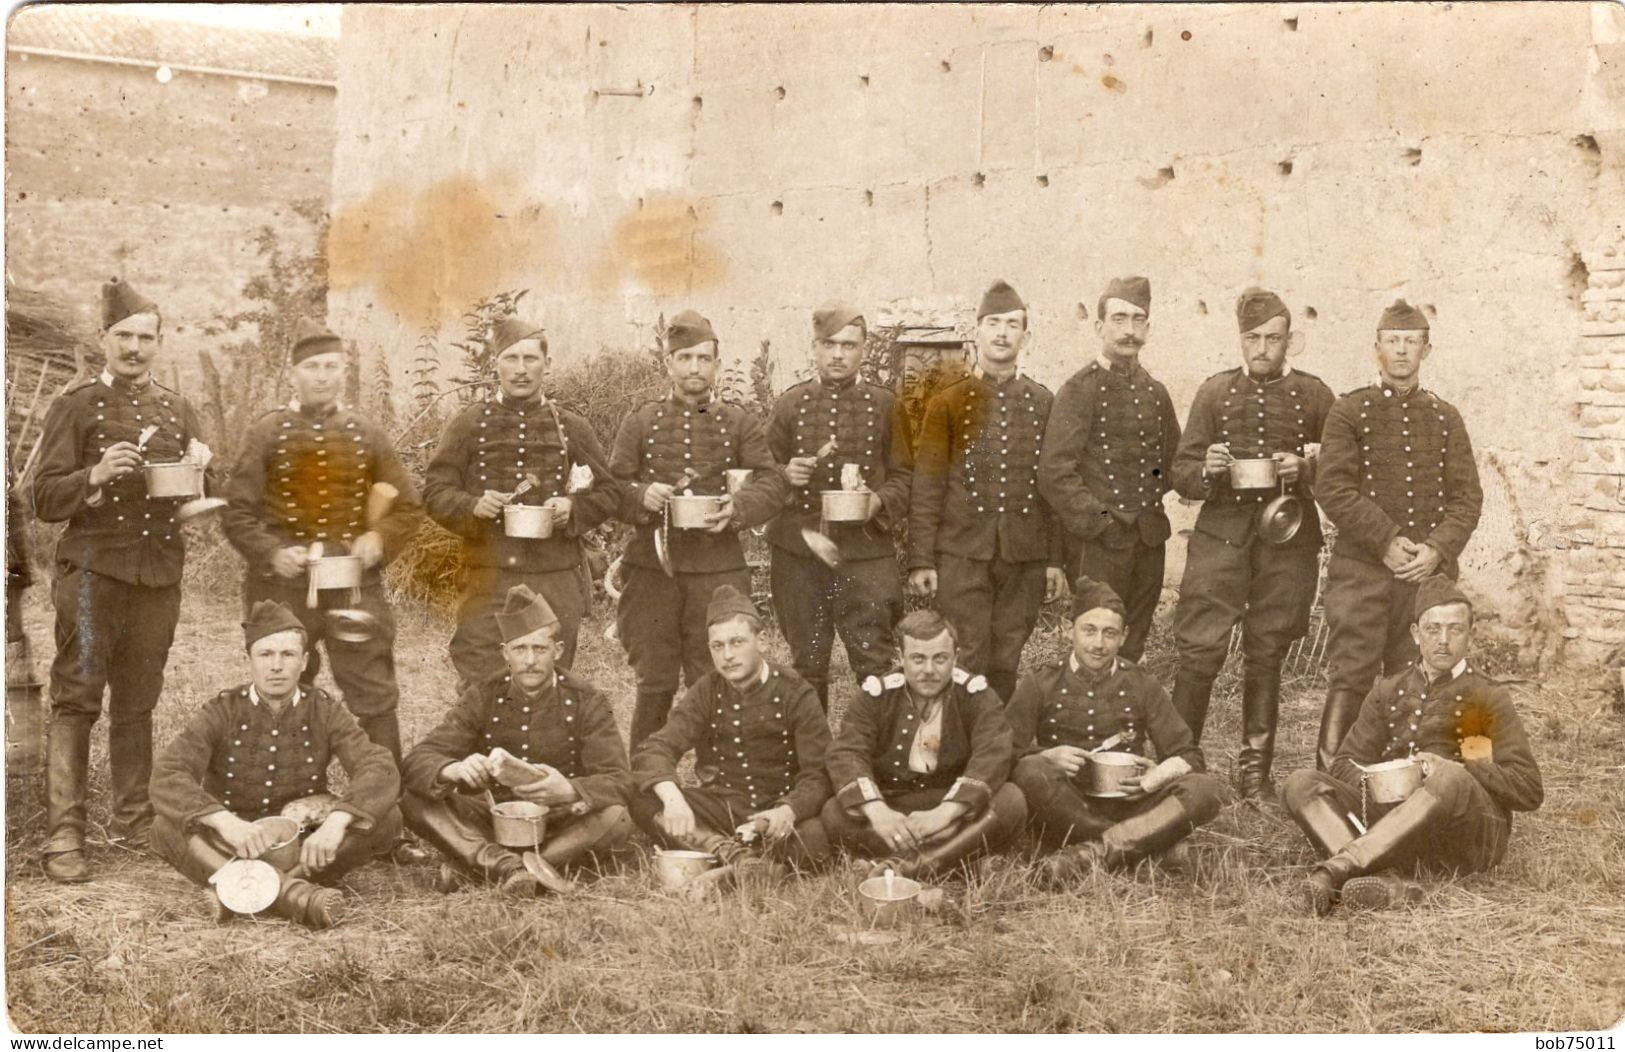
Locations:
(1284, 167)
(1083, 312)
(864, 80)
(699, 103)
(1108, 60)
(981, 180)
(868, 197)
(1576, 279)
(692, 213)
(1201, 306)
(1186, 35)
(777, 208)
(1413, 156)
(1291, 24)
(1311, 313)
(1046, 53)
(947, 67)
(1146, 40)
(1588, 143)
(779, 91)
(1043, 180)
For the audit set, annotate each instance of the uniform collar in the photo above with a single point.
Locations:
(677, 400)
(293, 701)
(542, 691)
(929, 707)
(982, 375)
(118, 383)
(538, 399)
(1084, 674)
(335, 406)
(839, 385)
(1107, 365)
(1390, 389)
(1455, 673)
(1286, 371)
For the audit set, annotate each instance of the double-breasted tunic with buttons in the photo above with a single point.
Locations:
(754, 749)
(118, 562)
(977, 516)
(662, 619)
(494, 445)
(568, 726)
(1392, 464)
(1107, 462)
(303, 475)
(862, 598)
(1232, 574)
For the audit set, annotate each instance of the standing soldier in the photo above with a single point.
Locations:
(117, 591)
(312, 473)
(820, 429)
(484, 457)
(1397, 479)
(1108, 454)
(980, 536)
(1263, 410)
(684, 442)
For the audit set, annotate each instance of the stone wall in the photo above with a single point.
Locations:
(112, 172)
(751, 161)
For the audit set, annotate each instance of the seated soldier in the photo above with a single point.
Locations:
(922, 761)
(1091, 699)
(1476, 762)
(534, 718)
(759, 736)
(256, 750)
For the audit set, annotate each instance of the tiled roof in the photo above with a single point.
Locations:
(103, 30)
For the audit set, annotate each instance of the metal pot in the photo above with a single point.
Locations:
(688, 512)
(1393, 781)
(518, 823)
(891, 901)
(1254, 474)
(284, 850)
(845, 505)
(676, 868)
(527, 520)
(335, 571)
(1107, 771)
(182, 478)
(737, 478)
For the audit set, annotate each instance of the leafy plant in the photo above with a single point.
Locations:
(479, 364)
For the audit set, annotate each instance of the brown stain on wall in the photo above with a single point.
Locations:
(660, 245)
(1111, 83)
(431, 253)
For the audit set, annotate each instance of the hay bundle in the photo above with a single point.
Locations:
(48, 344)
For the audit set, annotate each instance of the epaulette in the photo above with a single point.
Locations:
(972, 684)
(89, 381)
(874, 686)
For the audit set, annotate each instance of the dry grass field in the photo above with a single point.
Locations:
(1537, 945)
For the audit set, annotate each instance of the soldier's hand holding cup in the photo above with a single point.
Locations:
(120, 459)
(289, 562)
(489, 506)
(800, 470)
(1217, 461)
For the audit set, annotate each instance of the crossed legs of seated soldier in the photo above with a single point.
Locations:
(306, 899)
(1449, 824)
(716, 816)
(460, 826)
(962, 842)
(1113, 833)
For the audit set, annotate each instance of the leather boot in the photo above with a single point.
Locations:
(129, 755)
(1146, 833)
(383, 729)
(650, 714)
(1192, 694)
(965, 845)
(470, 848)
(304, 903)
(1003, 682)
(1324, 824)
(1387, 839)
(1260, 712)
(1380, 892)
(597, 832)
(67, 770)
(1342, 706)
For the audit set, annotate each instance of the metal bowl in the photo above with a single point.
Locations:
(1392, 781)
(689, 512)
(845, 505)
(676, 868)
(335, 571)
(1107, 771)
(527, 520)
(518, 823)
(247, 886)
(1254, 474)
(1280, 520)
(890, 900)
(284, 850)
(182, 478)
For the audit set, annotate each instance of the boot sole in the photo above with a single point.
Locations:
(1378, 893)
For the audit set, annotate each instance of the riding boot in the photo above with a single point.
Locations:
(1324, 824)
(1191, 696)
(653, 707)
(1389, 837)
(129, 754)
(67, 770)
(594, 834)
(469, 847)
(1003, 682)
(1260, 712)
(305, 903)
(383, 729)
(1342, 706)
(1143, 835)
(962, 846)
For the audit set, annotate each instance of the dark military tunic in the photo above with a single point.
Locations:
(494, 445)
(1107, 461)
(862, 598)
(235, 755)
(754, 750)
(1231, 574)
(567, 726)
(870, 757)
(1391, 464)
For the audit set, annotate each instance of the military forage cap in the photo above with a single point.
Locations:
(1438, 590)
(1257, 306)
(1134, 290)
(267, 619)
(832, 317)
(1000, 298)
(509, 331)
(120, 301)
(688, 329)
(728, 602)
(311, 338)
(1402, 316)
(522, 613)
(1089, 594)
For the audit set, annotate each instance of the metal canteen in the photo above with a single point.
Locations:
(1280, 520)
(1254, 474)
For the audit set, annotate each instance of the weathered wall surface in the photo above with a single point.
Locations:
(753, 161)
(111, 172)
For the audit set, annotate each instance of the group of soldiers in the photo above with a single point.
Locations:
(945, 752)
